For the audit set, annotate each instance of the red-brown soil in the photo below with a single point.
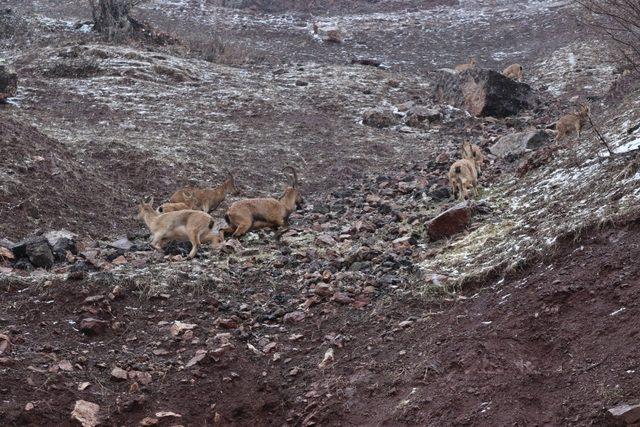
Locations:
(552, 345)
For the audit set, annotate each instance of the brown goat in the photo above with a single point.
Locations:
(574, 121)
(191, 225)
(205, 199)
(251, 214)
(514, 71)
(172, 207)
(474, 153)
(463, 177)
(468, 66)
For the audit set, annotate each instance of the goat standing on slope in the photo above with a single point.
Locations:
(474, 153)
(463, 177)
(186, 225)
(251, 214)
(574, 121)
(207, 199)
(468, 66)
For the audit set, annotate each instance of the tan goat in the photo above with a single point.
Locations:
(172, 207)
(474, 153)
(205, 199)
(468, 66)
(251, 214)
(574, 121)
(514, 71)
(463, 177)
(187, 225)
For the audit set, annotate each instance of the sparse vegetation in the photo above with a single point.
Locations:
(619, 21)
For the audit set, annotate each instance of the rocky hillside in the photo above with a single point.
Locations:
(385, 301)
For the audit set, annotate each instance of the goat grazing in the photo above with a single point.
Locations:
(468, 66)
(474, 153)
(191, 225)
(251, 214)
(207, 199)
(463, 177)
(574, 121)
(514, 71)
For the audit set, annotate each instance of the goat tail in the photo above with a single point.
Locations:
(458, 171)
(226, 218)
(211, 223)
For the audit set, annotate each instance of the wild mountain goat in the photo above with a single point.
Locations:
(172, 207)
(468, 66)
(514, 71)
(186, 225)
(574, 121)
(206, 199)
(251, 214)
(463, 177)
(474, 153)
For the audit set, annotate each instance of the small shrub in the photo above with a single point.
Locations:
(73, 68)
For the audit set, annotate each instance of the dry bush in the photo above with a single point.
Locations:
(619, 21)
(214, 48)
(73, 68)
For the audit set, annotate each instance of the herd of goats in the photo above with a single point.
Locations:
(185, 217)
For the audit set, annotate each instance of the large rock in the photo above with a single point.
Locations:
(628, 414)
(8, 82)
(515, 144)
(379, 118)
(37, 249)
(450, 222)
(419, 114)
(483, 93)
(61, 242)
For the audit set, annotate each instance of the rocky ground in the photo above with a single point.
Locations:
(361, 313)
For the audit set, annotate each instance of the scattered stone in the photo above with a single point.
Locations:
(86, 413)
(629, 414)
(92, 326)
(483, 93)
(199, 356)
(5, 344)
(123, 244)
(83, 386)
(418, 115)
(379, 118)
(149, 421)
(342, 298)
(165, 414)
(327, 360)
(29, 407)
(36, 249)
(450, 222)
(323, 290)
(515, 144)
(119, 374)
(8, 82)
(179, 327)
(294, 317)
(65, 365)
(228, 323)
(121, 260)
(143, 378)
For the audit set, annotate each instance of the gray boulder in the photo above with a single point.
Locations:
(483, 93)
(516, 144)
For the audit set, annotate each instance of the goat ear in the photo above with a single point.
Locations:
(151, 201)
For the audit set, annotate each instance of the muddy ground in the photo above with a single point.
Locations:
(530, 317)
